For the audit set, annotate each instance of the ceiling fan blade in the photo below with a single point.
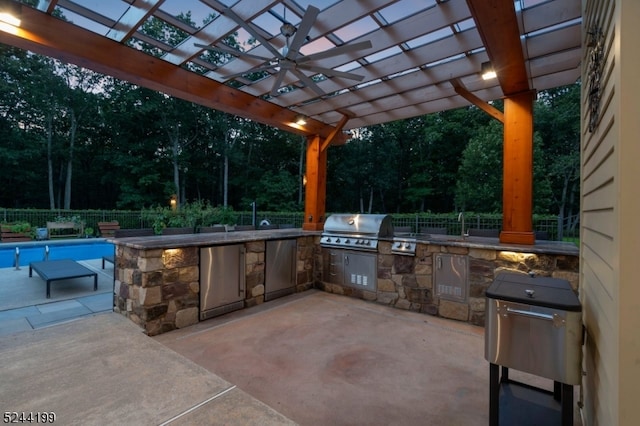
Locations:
(254, 69)
(308, 82)
(331, 73)
(339, 50)
(276, 84)
(231, 51)
(308, 20)
(238, 20)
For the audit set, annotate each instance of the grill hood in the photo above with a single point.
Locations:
(369, 225)
(362, 231)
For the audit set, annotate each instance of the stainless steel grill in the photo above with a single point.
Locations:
(356, 231)
(363, 231)
(404, 245)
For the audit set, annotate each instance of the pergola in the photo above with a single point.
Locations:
(424, 56)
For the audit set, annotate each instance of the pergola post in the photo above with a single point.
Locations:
(316, 186)
(517, 193)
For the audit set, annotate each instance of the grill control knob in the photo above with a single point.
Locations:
(328, 239)
(407, 245)
(398, 245)
(337, 240)
(367, 243)
(347, 241)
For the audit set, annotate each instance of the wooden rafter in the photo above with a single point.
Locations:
(41, 33)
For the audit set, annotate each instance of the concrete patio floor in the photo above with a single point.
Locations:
(102, 370)
(323, 359)
(311, 358)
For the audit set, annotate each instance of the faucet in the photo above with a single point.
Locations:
(461, 219)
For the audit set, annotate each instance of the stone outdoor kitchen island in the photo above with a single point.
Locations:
(158, 281)
(411, 282)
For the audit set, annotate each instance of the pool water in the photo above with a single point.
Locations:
(34, 252)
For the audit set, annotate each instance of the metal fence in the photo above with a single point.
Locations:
(39, 218)
(552, 227)
(545, 227)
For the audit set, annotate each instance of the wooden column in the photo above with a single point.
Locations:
(517, 193)
(316, 186)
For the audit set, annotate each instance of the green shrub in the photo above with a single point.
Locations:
(193, 215)
(24, 227)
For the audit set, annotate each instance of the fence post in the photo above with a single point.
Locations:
(560, 227)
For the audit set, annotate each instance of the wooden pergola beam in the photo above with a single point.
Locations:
(338, 129)
(489, 109)
(498, 28)
(41, 33)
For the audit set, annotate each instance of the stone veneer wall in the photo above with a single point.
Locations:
(159, 289)
(406, 282)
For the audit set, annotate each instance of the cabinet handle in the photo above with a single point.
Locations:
(346, 260)
(439, 262)
(243, 277)
(530, 314)
(294, 264)
(557, 320)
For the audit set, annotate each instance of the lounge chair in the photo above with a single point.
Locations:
(110, 258)
(475, 232)
(210, 229)
(270, 226)
(402, 230)
(108, 229)
(434, 230)
(134, 232)
(177, 230)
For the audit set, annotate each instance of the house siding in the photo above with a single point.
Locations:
(610, 233)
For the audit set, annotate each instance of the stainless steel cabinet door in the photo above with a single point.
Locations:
(222, 276)
(450, 277)
(280, 274)
(360, 270)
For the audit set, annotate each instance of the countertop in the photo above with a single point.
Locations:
(210, 239)
(541, 246)
(224, 238)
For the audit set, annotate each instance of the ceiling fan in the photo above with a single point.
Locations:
(290, 59)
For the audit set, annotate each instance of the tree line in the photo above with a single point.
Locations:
(72, 138)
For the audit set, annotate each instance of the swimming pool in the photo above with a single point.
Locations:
(35, 251)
